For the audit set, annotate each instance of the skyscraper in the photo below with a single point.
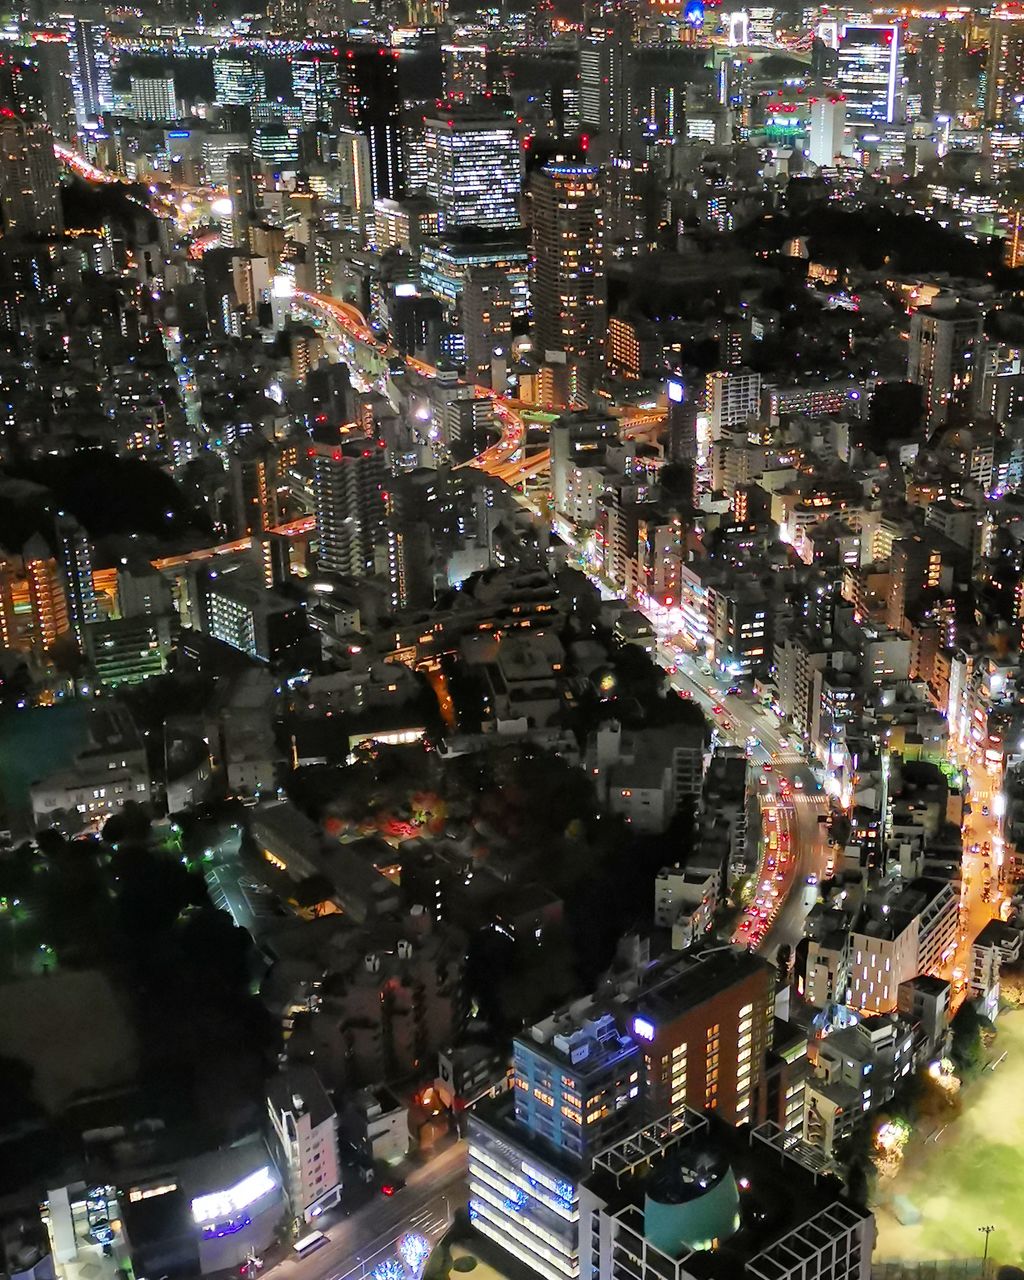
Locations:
(242, 193)
(604, 52)
(474, 169)
(463, 71)
(53, 57)
(355, 178)
(90, 69)
(486, 319)
(74, 556)
(237, 81)
(871, 71)
(316, 85)
(946, 351)
(154, 98)
(1004, 78)
(371, 103)
(46, 594)
(348, 494)
(828, 125)
(29, 180)
(569, 287)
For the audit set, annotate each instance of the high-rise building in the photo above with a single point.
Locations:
(348, 489)
(871, 72)
(569, 284)
(731, 397)
(74, 556)
(828, 125)
(53, 57)
(1004, 74)
(486, 319)
(316, 86)
(682, 421)
(241, 189)
(463, 71)
(29, 180)
(603, 58)
(253, 476)
(305, 1128)
(355, 178)
(475, 168)
(371, 102)
(705, 1027)
(946, 353)
(46, 594)
(577, 1088)
(154, 98)
(576, 439)
(238, 81)
(90, 69)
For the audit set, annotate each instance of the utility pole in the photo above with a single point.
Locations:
(984, 1259)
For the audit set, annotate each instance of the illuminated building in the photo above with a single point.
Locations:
(578, 441)
(705, 1027)
(237, 82)
(475, 172)
(253, 478)
(277, 146)
(633, 348)
(404, 224)
(871, 62)
(241, 190)
(371, 103)
(1013, 245)
(109, 772)
(46, 594)
(305, 1126)
(486, 319)
(90, 69)
(569, 285)
(217, 147)
(946, 350)
(1004, 76)
(604, 53)
(682, 422)
(355, 182)
(74, 556)
(316, 85)
(828, 125)
(128, 650)
(29, 180)
(444, 267)
(348, 488)
(52, 54)
(463, 71)
(154, 99)
(576, 1088)
(731, 396)
(245, 616)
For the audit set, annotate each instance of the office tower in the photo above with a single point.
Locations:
(474, 172)
(74, 558)
(941, 52)
(237, 82)
(305, 1128)
(371, 103)
(486, 319)
(569, 286)
(871, 69)
(463, 71)
(46, 594)
(53, 57)
(154, 99)
(603, 57)
(705, 1027)
(217, 147)
(29, 180)
(828, 126)
(241, 189)
(577, 1086)
(316, 86)
(355, 178)
(348, 487)
(731, 397)
(946, 351)
(90, 69)
(1004, 76)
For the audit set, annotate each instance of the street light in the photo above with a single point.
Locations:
(984, 1259)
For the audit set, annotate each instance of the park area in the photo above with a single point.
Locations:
(971, 1177)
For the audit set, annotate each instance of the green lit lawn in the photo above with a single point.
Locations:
(973, 1176)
